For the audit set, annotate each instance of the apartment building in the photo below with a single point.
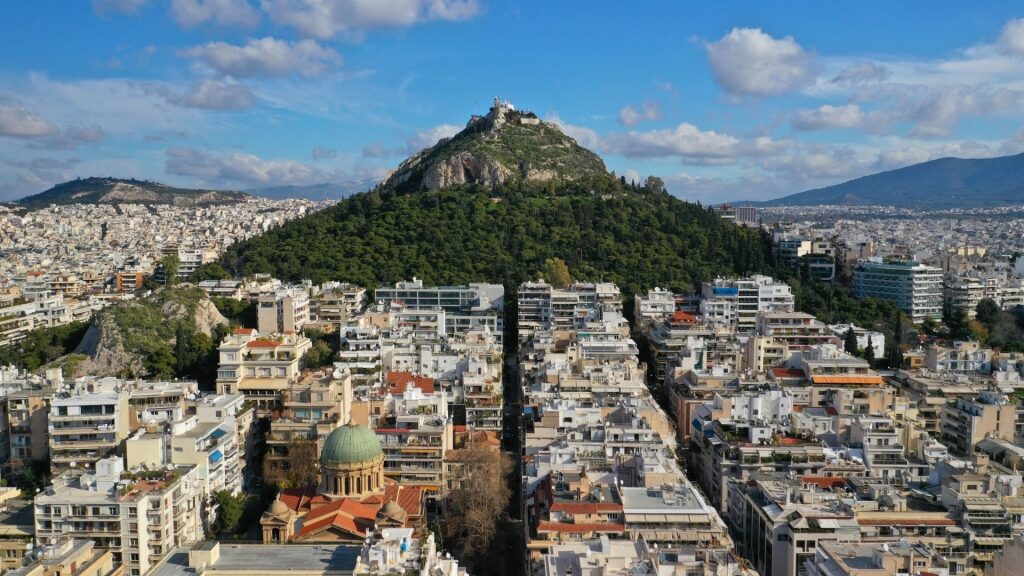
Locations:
(139, 516)
(284, 310)
(212, 447)
(333, 303)
(465, 307)
(416, 437)
(967, 422)
(963, 357)
(797, 329)
(311, 408)
(544, 307)
(916, 288)
(260, 367)
(26, 414)
(69, 556)
(87, 424)
(749, 296)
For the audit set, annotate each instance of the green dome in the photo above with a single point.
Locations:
(349, 444)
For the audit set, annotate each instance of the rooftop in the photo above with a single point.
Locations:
(267, 559)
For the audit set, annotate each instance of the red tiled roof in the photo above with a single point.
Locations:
(263, 344)
(299, 499)
(788, 372)
(578, 528)
(398, 382)
(586, 507)
(243, 331)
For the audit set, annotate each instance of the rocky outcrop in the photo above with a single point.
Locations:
(103, 344)
(505, 145)
(464, 168)
(112, 343)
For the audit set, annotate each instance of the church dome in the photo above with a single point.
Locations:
(350, 444)
(278, 508)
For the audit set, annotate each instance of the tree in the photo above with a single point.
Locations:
(229, 511)
(170, 265)
(556, 272)
(478, 502)
(895, 350)
(869, 351)
(211, 271)
(299, 469)
(850, 345)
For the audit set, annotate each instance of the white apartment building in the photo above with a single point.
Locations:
(916, 288)
(86, 425)
(543, 307)
(750, 295)
(140, 515)
(465, 307)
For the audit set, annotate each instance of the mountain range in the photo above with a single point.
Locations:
(938, 184)
(124, 191)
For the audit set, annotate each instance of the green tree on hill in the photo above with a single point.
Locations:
(556, 273)
(850, 344)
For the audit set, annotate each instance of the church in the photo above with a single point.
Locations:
(352, 499)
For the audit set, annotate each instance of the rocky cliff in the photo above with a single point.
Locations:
(505, 145)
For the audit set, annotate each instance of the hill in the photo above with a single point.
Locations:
(502, 226)
(506, 145)
(943, 183)
(121, 191)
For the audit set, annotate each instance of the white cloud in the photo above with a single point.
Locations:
(585, 137)
(862, 73)
(190, 13)
(266, 57)
(328, 18)
(632, 176)
(825, 117)
(214, 95)
(110, 6)
(17, 122)
(426, 138)
(236, 169)
(375, 150)
(1011, 40)
(322, 153)
(649, 110)
(685, 141)
(748, 62)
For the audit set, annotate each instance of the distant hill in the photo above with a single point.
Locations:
(505, 146)
(942, 183)
(122, 191)
(322, 191)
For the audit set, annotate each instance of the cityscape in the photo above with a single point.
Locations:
(283, 293)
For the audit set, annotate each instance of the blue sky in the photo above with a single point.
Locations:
(737, 100)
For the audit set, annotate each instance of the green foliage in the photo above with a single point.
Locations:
(556, 273)
(1001, 329)
(869, 352)
(170, 265)
(43, 346)
(603, 229)
(241, 312)
(211, 271)
(850, 345)
(229, 511)
(321, 353)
